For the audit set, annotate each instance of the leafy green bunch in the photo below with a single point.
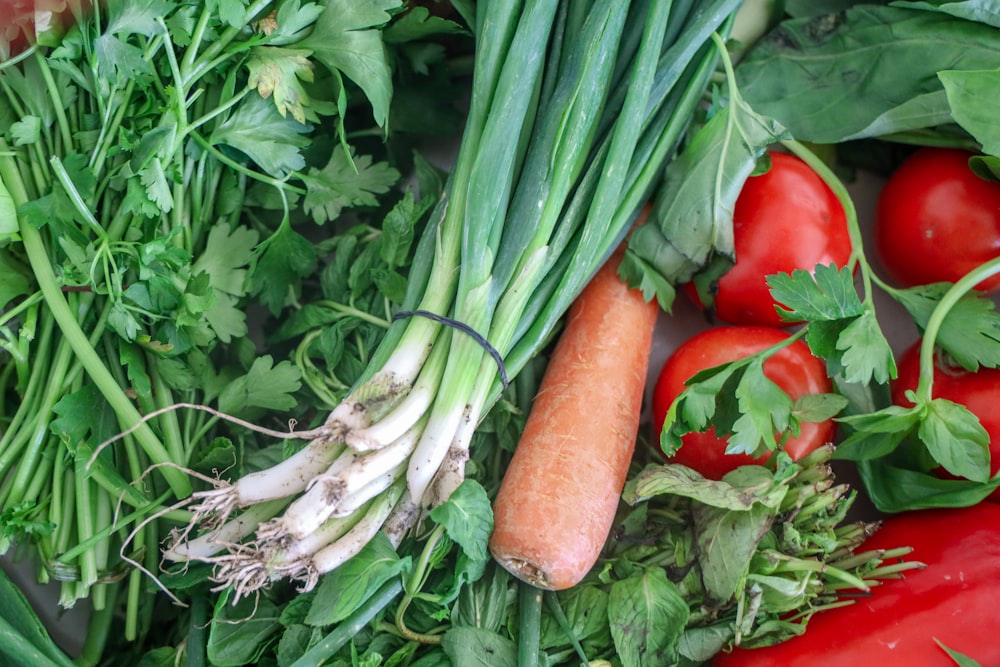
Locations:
(158, 161)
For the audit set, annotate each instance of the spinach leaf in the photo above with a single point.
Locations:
(870, 71)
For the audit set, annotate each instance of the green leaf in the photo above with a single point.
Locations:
(26, 131)
(818, 407)
(257, 130)
(894, 489)
(971, 332)
(674, 479)
(13, 282)
(283, 260)
(983, 11)
(277, 73)
(9, 229)
(647, 614)
(238, 633)
(264, 386)
(960, 659)
(971, 95)
(715, 164)
(726, 542)
(826, 294)
(225, 260)
(477, 647)
(955, 439)
(347, 39)
(26, 639)
(418, 24)
(345, 182)
(347, 588)
(867, 355)
(467, 517)
(852, 62)
(586, 610)
(765, 409)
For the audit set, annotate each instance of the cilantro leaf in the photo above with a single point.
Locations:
(347, 39)
(264, 386)
(257, 129)
(955, 439)
(343, 183)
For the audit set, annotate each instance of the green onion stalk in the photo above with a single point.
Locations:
(576, 108)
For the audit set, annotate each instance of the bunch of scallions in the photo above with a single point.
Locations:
(576, 107)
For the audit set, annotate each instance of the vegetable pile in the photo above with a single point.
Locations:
(326, 329)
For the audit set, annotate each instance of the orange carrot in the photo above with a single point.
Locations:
(559, 495)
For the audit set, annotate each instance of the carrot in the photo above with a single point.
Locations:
(559, 495)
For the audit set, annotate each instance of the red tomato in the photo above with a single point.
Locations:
(784, 219)
(977, 391)
(794, 369)
(936, 220)
(952, 600)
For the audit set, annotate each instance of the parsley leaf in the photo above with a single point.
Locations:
(277, 73)
(282, 261)
(264, 386)
(347, 39)
(827, 294)
(765, 409)
(345, 182)
(971, 332)
(257, 129)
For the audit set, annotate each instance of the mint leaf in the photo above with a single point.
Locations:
(343, 183)
(467, 517)
(343, 591)
(264, 386)
(955, 439)
(647, 614)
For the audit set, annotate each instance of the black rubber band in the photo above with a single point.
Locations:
(463, 327)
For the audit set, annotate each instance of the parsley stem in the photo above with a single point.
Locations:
(34, 247)
(954, 294)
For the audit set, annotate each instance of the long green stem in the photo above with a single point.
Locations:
(45, 275)
(954, 294)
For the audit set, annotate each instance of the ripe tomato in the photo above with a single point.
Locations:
(936, 220)
(794, 369)
(784, 219)
(977, 391)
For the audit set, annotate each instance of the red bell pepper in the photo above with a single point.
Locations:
(954, 600)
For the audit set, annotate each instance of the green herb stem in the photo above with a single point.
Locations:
(35, 249)
(529, 624)
(954, 294)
